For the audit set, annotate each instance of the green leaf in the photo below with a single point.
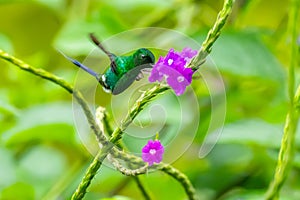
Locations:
(242, 194)
(18, 191)
(252, 131)
(227, 163)
(30, 26)
(129, 4)
(245, 54)
(240, 156)
(5, 44)
(286, 194)
(110, 179)
(54, 4)
(42, 167)
(117, 198)
(5, 105)
(35, 165)
(42, 122)
(73, 37)
(7, 168)
(8, 112)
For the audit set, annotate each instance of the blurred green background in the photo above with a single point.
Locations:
(41, 156)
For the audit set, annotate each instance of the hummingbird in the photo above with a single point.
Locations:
(122, 71)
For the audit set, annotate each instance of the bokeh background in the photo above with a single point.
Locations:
(41, 156)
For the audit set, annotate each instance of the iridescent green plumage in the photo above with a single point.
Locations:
(123, 70)
(127, 70)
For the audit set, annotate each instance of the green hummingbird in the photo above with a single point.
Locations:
(122, 71)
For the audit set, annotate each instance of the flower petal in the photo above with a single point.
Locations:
(173, 68)
(153, 157)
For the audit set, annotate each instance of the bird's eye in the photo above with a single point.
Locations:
(143, 56)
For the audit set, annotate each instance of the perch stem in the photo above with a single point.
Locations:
(287, 148)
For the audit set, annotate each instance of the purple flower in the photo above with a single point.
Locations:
(173, 68)
(152, 152)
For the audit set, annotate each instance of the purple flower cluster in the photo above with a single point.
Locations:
(173, 68)
(153, 152)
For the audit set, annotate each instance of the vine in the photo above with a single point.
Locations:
(108, 149)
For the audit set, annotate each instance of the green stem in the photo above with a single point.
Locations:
(292, 29)
(287, 149)
(81, 190)
(141, 188)
(181, 178)
(86, 181)
(140, 104)
(36, 71)
(166, 168)
(297, 99)
(67, 179)
(95, 165)
(212, 35)
(144, 99)
(102, 119)
(57, 80)
(195, 63)
(90, 174)
(90, 117)
(285, 157)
